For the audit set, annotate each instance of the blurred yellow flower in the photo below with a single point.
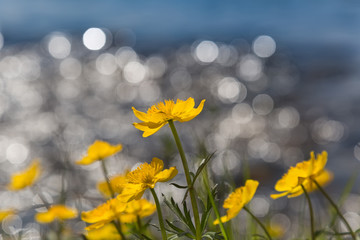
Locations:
(25, 178)
(107, 232)
(137, 208)
(104, 213)
(238, 199)
(303, 173)
(115, 209)
(56, 212)
(144, 177)
(116, 182)
(159, 115)
(98, 151)
(5, 213)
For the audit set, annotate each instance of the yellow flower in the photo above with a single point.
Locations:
(115, 209)
(103, 214)
(137, 208)
(107, 232)
(98, 151)
(25, 178)
(303, 173)
(144, 177)
(159, 115)
(117, 185)
(5, 213)
(238, 199)
(56, 212)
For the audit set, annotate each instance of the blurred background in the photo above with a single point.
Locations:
(280, 80)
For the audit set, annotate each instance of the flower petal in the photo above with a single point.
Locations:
(141, 115)
(157, 164)
(25, 178)
(223, 220)
(192, 113)
(131, 192)
(249, 190)
(166, 175)
(98, 151)
(276, 196)
(148, 128)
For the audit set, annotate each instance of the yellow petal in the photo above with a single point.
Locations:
(193, 113)
(237, 199)
(5, 213)
(117, 183)
(131, 192)
(106, 232)
(276, 196)
(249, 190)
(98, 151)
(223, 220)
(166, 175)
(44, 217)
(148, 128)
(157, 164)
(183, 106)
(140, 115)
(60, 212)
(97, 225)
(25, 178)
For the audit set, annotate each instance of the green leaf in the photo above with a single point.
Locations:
(185, 217)
(212, 235)
(178, 186)
(203, 163)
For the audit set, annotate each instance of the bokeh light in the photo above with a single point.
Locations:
(264, 46)
(94, 39)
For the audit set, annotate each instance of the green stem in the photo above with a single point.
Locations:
(335, 207)
(105, 172)
(311, 211)
(161, 220)
(188, 179)
(60, 229)
(117, 223)
(118, 228)
(258, 221)
(216, 211)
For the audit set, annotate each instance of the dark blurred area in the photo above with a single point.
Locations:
(279, 81)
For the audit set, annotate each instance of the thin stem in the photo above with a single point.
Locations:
(118, 228)
(117, 223)
(335, 207)
(258, 221)
(216, 211)
(105, 172)
(161, 220)
(311, 211)
(188, 179)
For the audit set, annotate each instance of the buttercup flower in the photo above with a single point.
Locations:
(137, 208)
(107, 232)
(56, 212)
(144, 177)
(238, 199)
(103, 214)
(159, 115)
(98, 151)
(5, 213)
(303, 173)
(115, 209)
(116, 182)
(25, 178)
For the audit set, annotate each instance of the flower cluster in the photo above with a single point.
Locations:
(119, 215)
